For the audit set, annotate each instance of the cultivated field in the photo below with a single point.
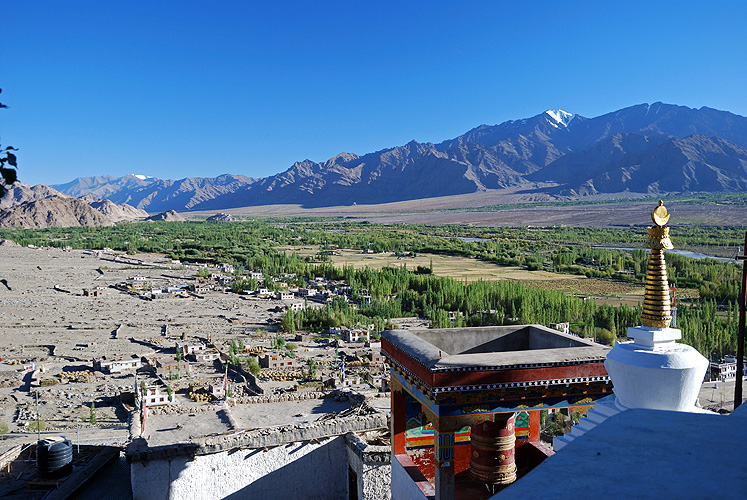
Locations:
(462, 268)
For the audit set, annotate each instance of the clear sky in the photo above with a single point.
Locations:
(185, 88)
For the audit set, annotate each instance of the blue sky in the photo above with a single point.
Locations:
(178, 89)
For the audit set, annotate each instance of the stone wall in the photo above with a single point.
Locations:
(294, 461)
(372, 468)
(309, 470)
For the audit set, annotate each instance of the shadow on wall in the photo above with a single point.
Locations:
(319, 473)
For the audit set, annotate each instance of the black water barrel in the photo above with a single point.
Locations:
(54, 459)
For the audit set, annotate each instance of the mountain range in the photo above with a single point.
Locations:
(648, 149)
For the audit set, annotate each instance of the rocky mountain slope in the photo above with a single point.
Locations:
(18, 193)
(115, 212)
(652, 149)
(169, 216)
(54, 211)
(21, 207)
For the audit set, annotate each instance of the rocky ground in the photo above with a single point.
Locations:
(48, 321)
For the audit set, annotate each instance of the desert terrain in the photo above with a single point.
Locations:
(473, 209)
(49, 323)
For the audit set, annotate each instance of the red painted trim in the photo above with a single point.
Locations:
(484, 377)
(408, 363)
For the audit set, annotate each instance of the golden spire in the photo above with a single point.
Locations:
(657, 312)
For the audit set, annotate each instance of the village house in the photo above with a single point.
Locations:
(356, 335)
(375, 356)
(284, 295)
(725, 371)
(255, 275)
(205, 356)
(170, 292)
(156, 395)
(277, 361)
(306, 292)
(302, 337)
(116, 365)
(189, 349)
(296, 306)
(217, 390)
(200, 288)
(167, 367)
(561, 327)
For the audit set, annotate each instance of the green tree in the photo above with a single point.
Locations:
(290, 349)
(169, 392)
(92, 414)
(253, 366)
(311, 365)
(278, 343)
(3, 429)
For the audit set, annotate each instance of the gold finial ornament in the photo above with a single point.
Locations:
(657, 311)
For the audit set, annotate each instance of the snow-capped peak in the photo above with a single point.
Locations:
(141, 176)
(559, 117)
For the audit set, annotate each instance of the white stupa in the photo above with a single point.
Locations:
(653, 371)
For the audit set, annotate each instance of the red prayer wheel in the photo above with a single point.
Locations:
(493, 444)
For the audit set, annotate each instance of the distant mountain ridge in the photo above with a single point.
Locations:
(649, 149)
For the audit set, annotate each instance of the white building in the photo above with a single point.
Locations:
(206, 356)
(296, 306)
(116, 365)
(356, 335)
(156, 395)
(188, 349)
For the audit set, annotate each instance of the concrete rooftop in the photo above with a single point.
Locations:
(647, 454)
(496, 347)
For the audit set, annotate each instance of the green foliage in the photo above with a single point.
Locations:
(311, 369)
(92, 414)
(290, 349)
(3, 429)
(397, 292)
(288, 322)
(252, 365)
(278, 343)
(239, 285)
(170, 393)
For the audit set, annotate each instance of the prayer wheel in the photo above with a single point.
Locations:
(493, 445)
